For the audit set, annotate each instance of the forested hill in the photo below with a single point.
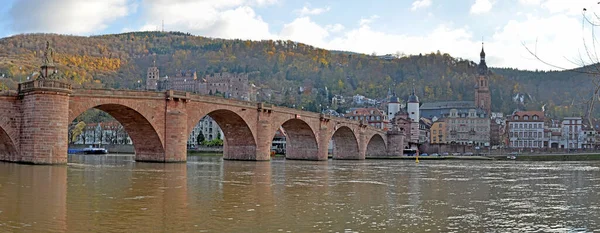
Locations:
(121, 60)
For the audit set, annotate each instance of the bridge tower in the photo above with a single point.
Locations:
(45, 108)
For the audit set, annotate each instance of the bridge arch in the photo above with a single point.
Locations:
(376, 146)
(8, 149)
(239, 142)
(301, 140)
(345, 144)
(146, 139)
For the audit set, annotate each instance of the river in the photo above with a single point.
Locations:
(97, 193)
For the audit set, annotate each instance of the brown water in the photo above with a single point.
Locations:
(113, 194)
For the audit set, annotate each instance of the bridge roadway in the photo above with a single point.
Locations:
(34, 125)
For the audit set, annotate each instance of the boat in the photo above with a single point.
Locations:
(95, 151)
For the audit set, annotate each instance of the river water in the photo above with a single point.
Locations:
(97, 193)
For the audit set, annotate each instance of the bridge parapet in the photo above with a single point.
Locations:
(178, 95)
(44, 84)
(8, 93)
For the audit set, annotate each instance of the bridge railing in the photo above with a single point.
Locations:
(44, 84)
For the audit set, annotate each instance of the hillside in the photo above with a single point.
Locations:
(120, 61)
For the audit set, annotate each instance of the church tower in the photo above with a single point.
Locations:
(483, 98)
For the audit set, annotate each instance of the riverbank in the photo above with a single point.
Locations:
(432, 157)
(552, 157)
(529, 157)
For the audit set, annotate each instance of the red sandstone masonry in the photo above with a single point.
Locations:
(159, 124)
(43, 135)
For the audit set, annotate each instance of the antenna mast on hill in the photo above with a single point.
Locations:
(163, 25)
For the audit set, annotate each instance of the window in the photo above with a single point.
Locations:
(535, 117)
(515, 117)
(525, 117)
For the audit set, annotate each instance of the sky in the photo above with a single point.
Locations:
(554, 30)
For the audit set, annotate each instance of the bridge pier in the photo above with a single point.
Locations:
(263, 142)
(323, 143)
(45, 108)
(395, 143)
(175, 129)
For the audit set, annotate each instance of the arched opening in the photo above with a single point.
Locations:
(296, 140)
(118, 129)
(223, 129)
(8, 150)
(345, 145)
(376, 146)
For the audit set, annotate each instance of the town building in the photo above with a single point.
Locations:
(497, 130)
(526, 129)
(438, 132)
(358, 99)
(470, 127)
(589, 137)
(440, 109)
(424, 130)
(552, 133)
(572, 133)
(209, 130)
(279, 141)
(373, 116)
(103, 133)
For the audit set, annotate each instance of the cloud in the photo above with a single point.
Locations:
(314, 11)
(230, 19)
(530, 2)
(306, 31)
(420, 4)
(367, 21)
(67, 16)
(541, 35)
(481, 6)
(571, 7)
(335, 27)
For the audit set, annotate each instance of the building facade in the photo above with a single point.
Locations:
(103, 133)
(373, 116)
(438, 132)
(209, 130)
(526, 129)
(497, 130)
(229, 85)
(470, 127)
(572, 133)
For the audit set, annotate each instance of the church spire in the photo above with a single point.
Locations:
(482, 67)
(482, 54)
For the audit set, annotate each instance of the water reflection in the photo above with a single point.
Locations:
(207, 194)
(33, 198)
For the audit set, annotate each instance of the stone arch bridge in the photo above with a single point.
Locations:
(34, 125)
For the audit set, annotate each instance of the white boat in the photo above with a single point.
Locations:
(95, 151)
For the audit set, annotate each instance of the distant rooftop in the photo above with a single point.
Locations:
(447, 105)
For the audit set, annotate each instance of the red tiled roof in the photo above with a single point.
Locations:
(365, 112)
(530, 114)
